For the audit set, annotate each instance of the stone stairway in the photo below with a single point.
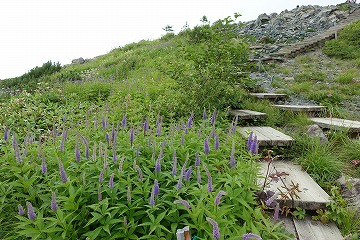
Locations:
(314, 42)
(310, 196)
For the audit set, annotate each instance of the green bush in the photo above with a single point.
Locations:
(214, 54)
(28, 81)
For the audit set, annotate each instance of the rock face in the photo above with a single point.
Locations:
(296, 24)
(352, 193)
(78, 61)
(315, 131)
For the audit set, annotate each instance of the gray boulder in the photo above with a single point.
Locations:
(78, 61)
(315, 131)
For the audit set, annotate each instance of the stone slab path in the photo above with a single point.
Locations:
(247, 114)
(311, 195)
(337, 123)
(308, 229)
(267, 136)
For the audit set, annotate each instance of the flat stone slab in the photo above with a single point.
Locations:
(267, 136)
(299, 108)
(269, 95)
(248, 114)
(308, 229)
(311, 197)
(337, 123)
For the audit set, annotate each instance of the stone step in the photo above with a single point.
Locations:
(311, 195)
(301, 108)
(247, 114)
(270, 96)
(308, 229)
(267, 136)
(338, 124)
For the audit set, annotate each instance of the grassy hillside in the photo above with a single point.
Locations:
(137, 143)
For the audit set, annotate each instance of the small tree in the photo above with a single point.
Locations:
(168, 29)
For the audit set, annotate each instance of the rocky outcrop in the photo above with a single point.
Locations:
(78, 61)
(296, 24)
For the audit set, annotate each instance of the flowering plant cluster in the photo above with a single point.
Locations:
(126, 180)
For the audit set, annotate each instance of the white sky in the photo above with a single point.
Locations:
(35, 31)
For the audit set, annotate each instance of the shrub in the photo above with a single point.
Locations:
(215, 54)
(28, 81)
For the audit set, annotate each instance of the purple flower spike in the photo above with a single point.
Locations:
(125, 221)
(103, 123)
(204, 114)
(188, 174)
(77, 152)
(62, 172)
(146, 126)
(232, 156)
(87, 153)
(218, 197)
(183, 139)
(101, 176)
(139, 172)
(111, 181)
(30, 211)
(254, 146)
(210, 187)
(6, 133)
(235, 124)
(107, 138)
(271, 199)
(179, 183)
(152, 197)
(16, 149)
(43, 165)
(63, 139)
(21, 210)
(197, 160)
(131, 136)
(54, 205)
(114, 156)
(123, 122)
(216, 144)
(156, 187)
(174, 163)
(190, 121)
(158, 129)
(276, 212)
(158, 165)
(213, 118)
(183, 202)
(248, 236)
(249, 141)
(216, 231)
(206, 146)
